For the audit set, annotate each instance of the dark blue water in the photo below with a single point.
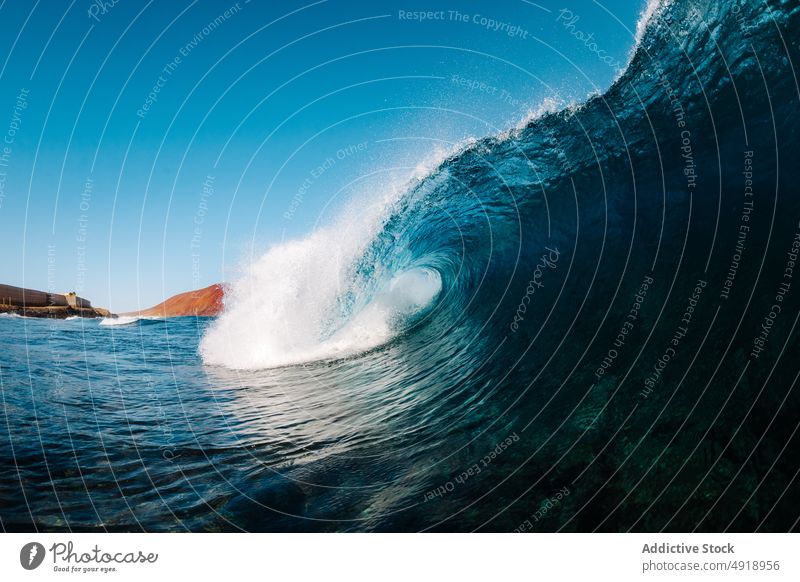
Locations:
(601, 349)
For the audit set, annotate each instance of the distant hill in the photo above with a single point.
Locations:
(207, 301)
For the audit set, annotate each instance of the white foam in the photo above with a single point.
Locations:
(406, 295)
(122, 320)
(281, 310)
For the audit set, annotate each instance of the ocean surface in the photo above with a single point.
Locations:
(587, 323)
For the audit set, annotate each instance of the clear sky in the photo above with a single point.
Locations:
(148, 147)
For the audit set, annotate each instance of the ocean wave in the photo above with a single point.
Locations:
(464, 233)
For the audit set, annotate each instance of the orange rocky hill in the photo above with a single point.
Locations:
(207, 301)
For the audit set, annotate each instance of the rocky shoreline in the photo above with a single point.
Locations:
(57, 312)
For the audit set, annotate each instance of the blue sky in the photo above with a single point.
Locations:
(152, 146)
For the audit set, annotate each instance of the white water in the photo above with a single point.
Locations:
(280, 311)
(123, 320)
(406, 295)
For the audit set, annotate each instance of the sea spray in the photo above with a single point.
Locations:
(320, 297)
